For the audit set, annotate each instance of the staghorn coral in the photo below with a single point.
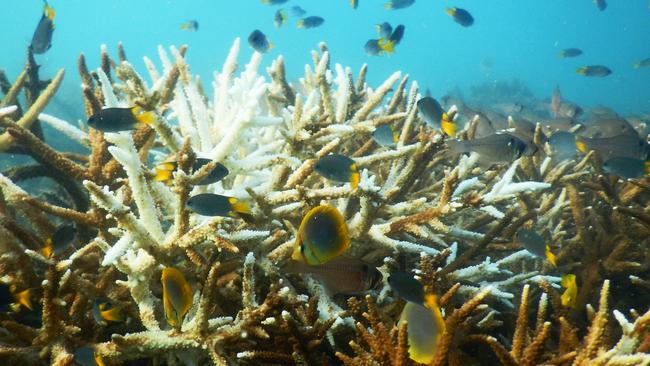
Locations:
(415, 208)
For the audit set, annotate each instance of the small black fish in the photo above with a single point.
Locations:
(42, 39)
(104, 312)
(259, 42)
(280, 18)
(61, 239)
(601, 4)
(164, 171)
(338, 168)
(570, 52)
(643, 63)
(594, 70)
(190, 25)
(461, 16)
(407, 287)
(397, 35)
(384, 29)
(310, 22)
(85, 356)
(210, 204)
(398, 4)
(385, 135)
(120, 119)
(563, 145)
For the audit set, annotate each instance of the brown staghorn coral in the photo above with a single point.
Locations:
(414, 204)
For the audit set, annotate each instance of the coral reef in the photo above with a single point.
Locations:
(415, 208)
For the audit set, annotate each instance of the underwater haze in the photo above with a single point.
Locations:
(509, 40)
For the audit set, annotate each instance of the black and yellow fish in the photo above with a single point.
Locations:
(322, 236)
(259, 41)
(338, 168)
(279, 18)
(461, 16)
(120, 119)
(310, 22)
(11, 299)
(105, 312)
(164, 171)
(177, 296)
(594, 71)
(42, 38)
(86, 356)
(407, 287)
(190, 25)
(385, 135)
(535, 244)
(210, 204)
(60, 240)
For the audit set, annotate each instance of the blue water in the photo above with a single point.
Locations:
(510, 39)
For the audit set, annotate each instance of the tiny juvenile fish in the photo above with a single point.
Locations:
(623, 145)
(322, 236)
(461, 16)
(570, 52)
(601, 4)
(385, 135)
(11, 299)
(407, 287)
(535, 244)
(60, 240)
(120, 119)
(310, 22)
(164, 171)
(86, 356)
(435, 116)
(341, 275)
(563, 145)
(177, 296)
(594, 71)
(384, 30)
(297, 11)
(274, 2)
(210, 204)
(279, 18)
(626, 167)
(425, 327)
(496, 148)
(104, 312)
(190, 25)
(570, 295)
(338, 168)
(398, 4)
(42, 38)
(259, 42)
(642, 63)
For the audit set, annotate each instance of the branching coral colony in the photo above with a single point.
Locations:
(415, 209)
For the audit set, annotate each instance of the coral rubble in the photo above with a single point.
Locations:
(416, 208)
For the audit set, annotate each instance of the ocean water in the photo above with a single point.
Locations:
(509, 40)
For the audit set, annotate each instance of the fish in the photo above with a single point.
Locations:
(563, 145)
(643, 63)
(177, 296)
(11, 299)
(120, 119)
(601, 4)
(435, 116)
(626, 167)
(385, 135)
(210, 204)
(274, 2)
(297, 11)
(594, 71)
(397, 35)
(60, 240)
(570, 52)
(398, 4)
(165, 170)
(373, 47)
(535, 244)
(322, 236)
(259, 42)
(310, 22)
(570, 295)
(461, 16)
(104, 312)
(42, 38)
(338, 168)
(556, 100)
(407, 287)
(279, 18)
(341, 275)
(354, 4)
(496, 148)
(384, 30)
(425, 327)
(86, 356)
(623, 145)
(190, 25)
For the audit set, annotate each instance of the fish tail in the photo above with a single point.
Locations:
(48, 11)
(581, 146)
(239, 207)
(115, 314)
(162, 175)
(450, 11)
(300, 23)
(647, 167)
(447, 125)
(283, 17)
(143, 117)
(388, 5)
(637, 66)
(550, 256)
(582, 71)
(395, 136)
(185, 26)
(354, 176)
(47, 250)
(265, 1)
(24, 298)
